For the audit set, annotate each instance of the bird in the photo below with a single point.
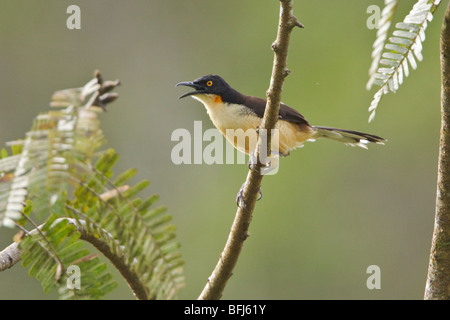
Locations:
(232, 110)
(229, 109)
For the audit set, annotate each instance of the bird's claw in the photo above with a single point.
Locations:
(258, 167)
(240, 200)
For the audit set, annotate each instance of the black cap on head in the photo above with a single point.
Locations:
(209, 84)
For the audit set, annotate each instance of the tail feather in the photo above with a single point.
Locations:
(350, 137)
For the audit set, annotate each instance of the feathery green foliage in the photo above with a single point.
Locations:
(59, 189)
(384, 24)
(401, 52)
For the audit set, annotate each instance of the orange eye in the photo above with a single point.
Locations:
(209, 83)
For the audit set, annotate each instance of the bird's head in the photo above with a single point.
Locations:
(207, 85)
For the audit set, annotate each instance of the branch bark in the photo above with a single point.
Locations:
(438, 279)
(9, 256)
(239, 231)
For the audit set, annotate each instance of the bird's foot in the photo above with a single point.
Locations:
(256, 166)
(240, 200)
(269, 165)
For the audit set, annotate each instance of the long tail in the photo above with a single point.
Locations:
(350, 137)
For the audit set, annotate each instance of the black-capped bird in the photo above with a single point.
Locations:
(229, 109)
(232, 111)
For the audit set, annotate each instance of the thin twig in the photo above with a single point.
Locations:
(119, 261)
(239, 231)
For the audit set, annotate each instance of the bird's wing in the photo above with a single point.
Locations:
(286, 113)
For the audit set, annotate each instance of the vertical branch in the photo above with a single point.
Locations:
(438, 280)
(239, 231)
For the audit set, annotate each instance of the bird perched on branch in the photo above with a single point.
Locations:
(229, 109)
(237, 116)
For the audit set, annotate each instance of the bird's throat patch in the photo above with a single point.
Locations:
(218, 99)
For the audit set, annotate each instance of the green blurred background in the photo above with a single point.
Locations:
(329, 213)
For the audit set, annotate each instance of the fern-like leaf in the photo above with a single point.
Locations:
(58, 184)
(387, 15)
(403, 51)
(137, 233)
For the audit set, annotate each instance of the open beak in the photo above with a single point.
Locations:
(198, 88)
